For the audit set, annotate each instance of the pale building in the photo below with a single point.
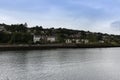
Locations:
(36, 38)
(2, 28)
(68, 41)
(85, 41)
(72, 41)
(77, 41)
(51, 38)
(102, 41)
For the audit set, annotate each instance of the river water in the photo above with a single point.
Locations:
(61, 64)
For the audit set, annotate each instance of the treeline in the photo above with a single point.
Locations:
(15, 34)
(16, 38)
(21, 34)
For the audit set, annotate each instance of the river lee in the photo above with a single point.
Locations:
(61, 64)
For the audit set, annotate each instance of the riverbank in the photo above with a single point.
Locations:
(52, 46)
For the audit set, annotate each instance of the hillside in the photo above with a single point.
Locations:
(22, 34)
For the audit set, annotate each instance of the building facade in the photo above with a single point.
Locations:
(46, 39)
(51, 39)
(2, 28)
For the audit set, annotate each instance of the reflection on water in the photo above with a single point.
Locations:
(61, 64)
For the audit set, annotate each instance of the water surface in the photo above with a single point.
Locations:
(61, 64)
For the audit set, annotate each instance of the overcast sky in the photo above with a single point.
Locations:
(93, 15)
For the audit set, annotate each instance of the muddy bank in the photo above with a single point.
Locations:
(53, 46)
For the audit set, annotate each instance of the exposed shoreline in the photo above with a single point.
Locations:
(52, 46)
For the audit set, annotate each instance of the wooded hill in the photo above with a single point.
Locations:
(22, 34)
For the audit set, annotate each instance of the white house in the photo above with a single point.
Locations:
(85, 41)
(101, 41)
(77, 41)
(51, 39)
(2, 28)
(68, 41)
(72, 41)
(36, 38)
